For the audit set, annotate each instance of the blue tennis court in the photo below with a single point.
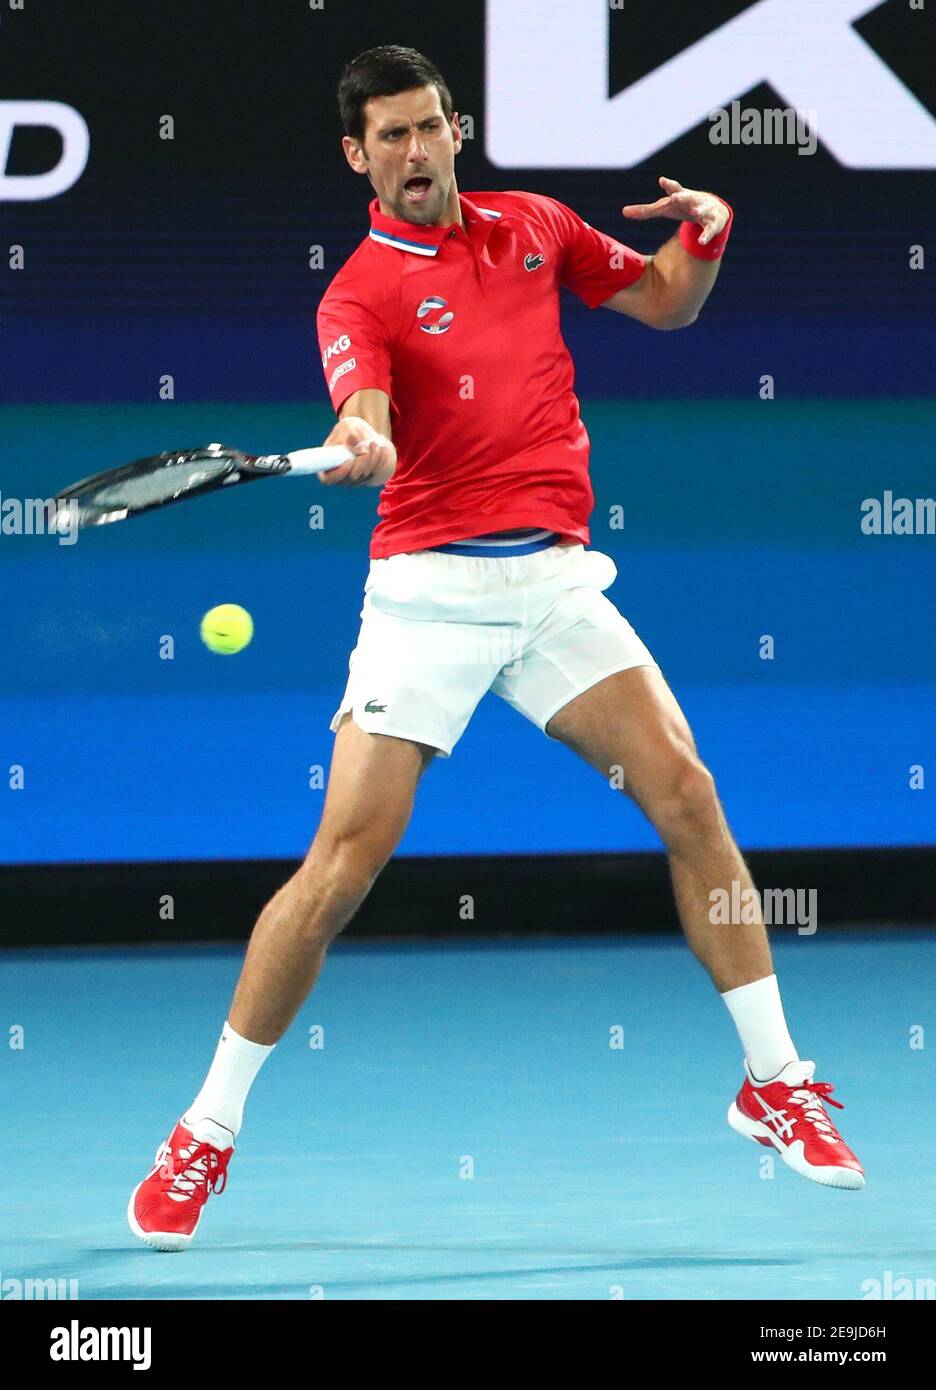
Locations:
(450, 1120)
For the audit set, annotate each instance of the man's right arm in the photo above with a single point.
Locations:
(364, 427)
(355, 350)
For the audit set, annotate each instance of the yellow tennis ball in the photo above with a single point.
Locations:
(227, 629)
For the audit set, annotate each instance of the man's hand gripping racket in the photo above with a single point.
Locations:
(373, 456)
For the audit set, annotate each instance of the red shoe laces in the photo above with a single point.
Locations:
(809, 1097)
(822, 1090)
(213, 1174)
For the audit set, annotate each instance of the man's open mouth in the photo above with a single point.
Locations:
(417, 188)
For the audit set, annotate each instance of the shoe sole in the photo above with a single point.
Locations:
(846, 1179)
(171, 1242)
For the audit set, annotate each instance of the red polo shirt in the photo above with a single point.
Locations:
(460, 327)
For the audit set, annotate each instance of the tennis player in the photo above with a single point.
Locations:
(442, 354)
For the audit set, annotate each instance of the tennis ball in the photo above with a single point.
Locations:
(227, 629)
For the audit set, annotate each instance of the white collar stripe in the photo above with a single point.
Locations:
(417, 247)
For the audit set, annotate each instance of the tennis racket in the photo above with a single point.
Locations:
(161, 479)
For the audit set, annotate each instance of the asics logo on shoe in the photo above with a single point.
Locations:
(810, 1107)
(162, 1163)
(777, 1119)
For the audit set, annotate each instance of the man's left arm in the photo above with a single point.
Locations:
(678, 279)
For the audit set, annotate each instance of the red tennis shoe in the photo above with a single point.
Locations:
(166, 1207)
(789, 1115)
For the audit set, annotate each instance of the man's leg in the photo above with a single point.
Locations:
(632, 722)
(371, 786)
(368, 803)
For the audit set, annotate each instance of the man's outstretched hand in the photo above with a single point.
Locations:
(684, 205)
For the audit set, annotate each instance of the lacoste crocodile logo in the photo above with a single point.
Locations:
(372, 707)
(534, 260)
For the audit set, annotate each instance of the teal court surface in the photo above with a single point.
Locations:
(517, 1120)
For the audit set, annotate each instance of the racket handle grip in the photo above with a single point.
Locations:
(316, 460)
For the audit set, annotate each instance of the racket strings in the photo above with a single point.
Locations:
(150, 488)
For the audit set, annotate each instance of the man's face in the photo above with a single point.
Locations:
(409, 156)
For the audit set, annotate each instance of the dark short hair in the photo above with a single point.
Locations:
(383, 72)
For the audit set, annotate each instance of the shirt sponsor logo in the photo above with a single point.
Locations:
(533, 261)
(348, 366)
(431, 310)
(339, 345)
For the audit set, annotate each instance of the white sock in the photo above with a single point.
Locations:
(758, 1016)
(230, 1077)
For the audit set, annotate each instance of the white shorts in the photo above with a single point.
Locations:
(440, 630)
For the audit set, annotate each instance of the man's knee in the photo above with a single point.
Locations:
(687, 811)
(345, 864)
